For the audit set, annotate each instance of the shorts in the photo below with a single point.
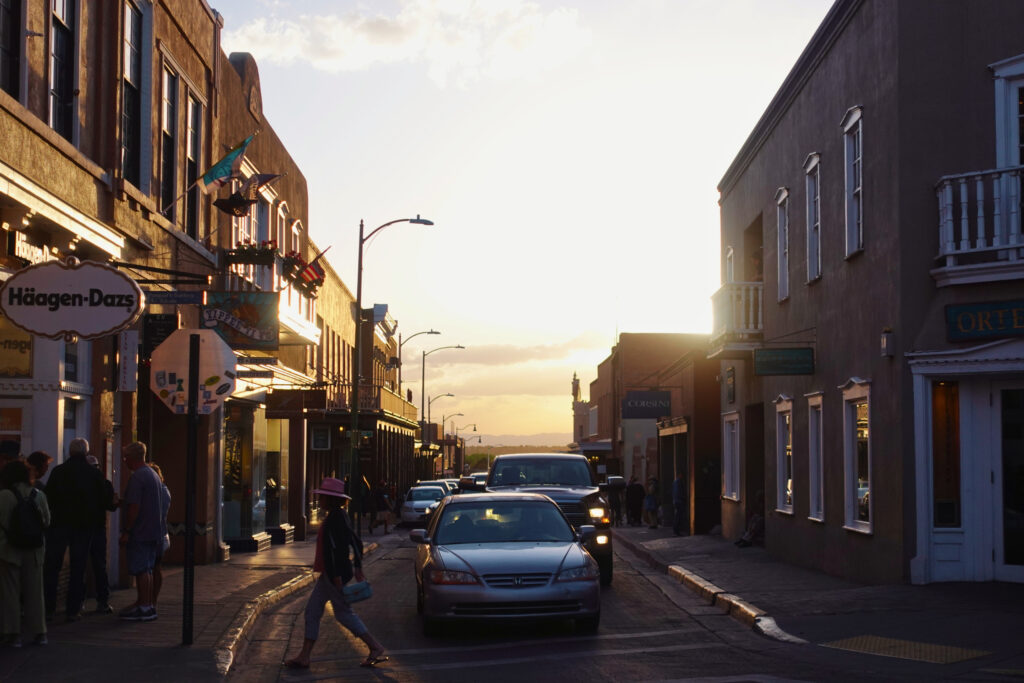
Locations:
(142, 556)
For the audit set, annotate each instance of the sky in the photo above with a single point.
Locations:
(568, 153)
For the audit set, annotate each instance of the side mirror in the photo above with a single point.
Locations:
(585, 533)
(419, 536)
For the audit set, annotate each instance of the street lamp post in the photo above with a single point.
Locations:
(354, 434)
(431, 402)
(444, 419)
(401, 343)
(455, 450)
(465, 441)
(423, 377)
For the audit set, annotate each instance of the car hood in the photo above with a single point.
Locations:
(488, 558)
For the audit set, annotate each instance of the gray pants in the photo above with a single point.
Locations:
(324, 591)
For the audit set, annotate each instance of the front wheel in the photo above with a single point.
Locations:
(604, 564)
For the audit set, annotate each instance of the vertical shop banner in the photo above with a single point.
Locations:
(245, 320)
(15, 350)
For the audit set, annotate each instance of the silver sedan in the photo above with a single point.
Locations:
(499, 556)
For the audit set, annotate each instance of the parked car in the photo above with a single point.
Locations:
(500, 556)
(443, 483)
(568, 480)
(418, 500)
(454, 484)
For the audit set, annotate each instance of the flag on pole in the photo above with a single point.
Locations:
(239, 202)
(314, 271)
(225, 169)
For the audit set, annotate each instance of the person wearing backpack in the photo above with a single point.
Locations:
(24, 516)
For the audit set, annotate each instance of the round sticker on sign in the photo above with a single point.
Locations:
(170, 365)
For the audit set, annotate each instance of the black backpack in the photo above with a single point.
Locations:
(26, 529)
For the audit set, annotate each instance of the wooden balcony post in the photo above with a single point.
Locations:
(965, 228)
(980, 200)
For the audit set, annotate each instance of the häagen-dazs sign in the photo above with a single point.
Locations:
(71, 298)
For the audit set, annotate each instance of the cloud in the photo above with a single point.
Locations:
(459, 41)
(510, 354)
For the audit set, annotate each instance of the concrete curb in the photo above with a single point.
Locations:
(237, 633)
(735, 606)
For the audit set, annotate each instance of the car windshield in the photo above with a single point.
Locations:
(540, 472)
(502, 522)
(425, 493)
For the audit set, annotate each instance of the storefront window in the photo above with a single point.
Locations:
(71, 362)
(277, 473)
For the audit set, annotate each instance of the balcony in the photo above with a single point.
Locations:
(738, 309)
(373, 399)
(979, 227)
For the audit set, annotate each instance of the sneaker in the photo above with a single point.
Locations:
(139, 614)
(127, 610)
(41, 640)
(104, 608)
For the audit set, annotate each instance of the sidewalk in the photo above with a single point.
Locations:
(971, 626)
(228, 597)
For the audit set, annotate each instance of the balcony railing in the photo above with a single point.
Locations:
(372, 398)
(738, 309)
(980, 236)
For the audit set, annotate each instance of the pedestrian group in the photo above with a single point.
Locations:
(42, 523)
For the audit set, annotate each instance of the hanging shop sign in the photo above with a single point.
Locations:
(245, 320)
(168, 372)
(784, 361)
(71, 298)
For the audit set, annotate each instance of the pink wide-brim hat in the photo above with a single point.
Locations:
(332, 487)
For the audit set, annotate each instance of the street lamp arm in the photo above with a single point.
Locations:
(431, 331)
(417, 220)
(441, 348)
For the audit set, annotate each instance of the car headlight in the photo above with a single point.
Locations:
(449, 577)
(588, 572)
(599, 514)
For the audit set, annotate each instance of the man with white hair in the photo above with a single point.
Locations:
(76, 495)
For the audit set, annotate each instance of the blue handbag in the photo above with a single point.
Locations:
(357, 592)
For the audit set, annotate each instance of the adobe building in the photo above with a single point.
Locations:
(872, 281)
(689, 439)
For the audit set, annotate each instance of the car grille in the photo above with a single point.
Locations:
(473, 609)
(575, 513)
(532, 580)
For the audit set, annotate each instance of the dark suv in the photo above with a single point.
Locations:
(568, 481)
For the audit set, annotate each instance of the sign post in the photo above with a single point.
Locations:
(171, 369)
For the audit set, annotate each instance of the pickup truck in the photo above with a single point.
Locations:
(567, 480)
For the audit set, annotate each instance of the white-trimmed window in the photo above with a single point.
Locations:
(731, 456)
(63, 93)
(812, 174)
(782, 216)
(857, 454)
(169, 143)
(784, 454)
(853, 145)
(815, 466)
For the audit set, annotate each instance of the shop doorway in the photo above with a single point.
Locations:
(1008, 409)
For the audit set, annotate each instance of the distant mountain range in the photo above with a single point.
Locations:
(553, 439)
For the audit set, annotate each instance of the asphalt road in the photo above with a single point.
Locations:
(652, 629)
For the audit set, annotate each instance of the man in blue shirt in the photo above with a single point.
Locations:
(142, 531)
